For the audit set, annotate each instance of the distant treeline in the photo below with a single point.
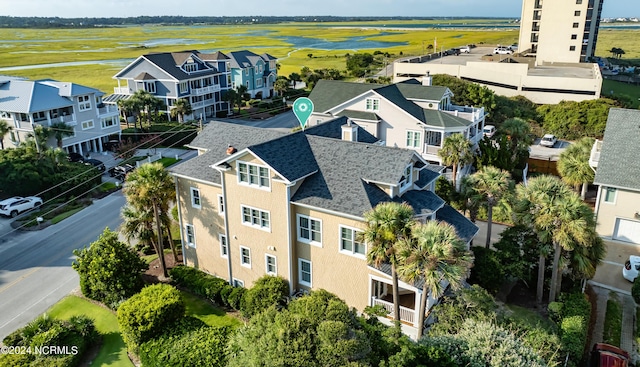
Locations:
(56, 22)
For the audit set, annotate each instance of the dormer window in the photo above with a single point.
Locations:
(407, 178)
(253, 175)
(150, 87)
(191, 67)
(372, 104)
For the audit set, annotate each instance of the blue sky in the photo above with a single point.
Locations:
(124, 8)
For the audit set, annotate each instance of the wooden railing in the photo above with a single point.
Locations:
(406, 314)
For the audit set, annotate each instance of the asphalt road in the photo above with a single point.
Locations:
(35, 267)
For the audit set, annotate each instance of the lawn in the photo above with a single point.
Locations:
(613, 321)
(630, 90)
(113, 351)
(525, 316)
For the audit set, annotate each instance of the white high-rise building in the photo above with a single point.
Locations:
(564, 31)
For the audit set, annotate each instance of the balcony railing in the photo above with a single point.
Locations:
(205, 90)
(432, 149)
(406, 314)
(594, 158)
(107, 109)
(468, 113)
(121, 90)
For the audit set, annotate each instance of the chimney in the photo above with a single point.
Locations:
(231, 150)
(349, 131)
(426, 80)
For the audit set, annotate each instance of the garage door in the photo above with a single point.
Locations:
(627, 230)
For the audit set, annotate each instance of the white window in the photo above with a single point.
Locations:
(195, 198)
(255, 218)
(184, 87)
(84, 103)
(309, 230)
(270, 264)
(406, 177)
(87, 125)
(190, 234)
(304, 273)
(224, 248)
(413, 139)
(109, 122)
(259, 82)
(190, 67)
(252, 174)
(220, 204)
(245, 256)
(150, 87)
(349, 242)
(372, 104)
(238, 283)
(609, 195)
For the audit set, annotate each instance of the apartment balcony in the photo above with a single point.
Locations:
(407, 315)
(432, 149)
(107, 109)
(195, 105)
(205, 90)
(468, 113)
(594, 158)
(121, 90)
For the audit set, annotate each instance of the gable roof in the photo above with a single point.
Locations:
(333, 129)
(244, 59)
(619, 164)
(171, 64)
(67, 89)
(327, 94)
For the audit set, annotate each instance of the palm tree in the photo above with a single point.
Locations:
(386, 225)
(281, 85)
(138, 224)
(61, 130)
(231, 97)
(573, 165)
(557, 216)
(437, 256)
(145, 101)
(5, 128)
(150, 186)
(456, 152)
(491, 183)
(181, 108)
(295, 77)
(519, 138)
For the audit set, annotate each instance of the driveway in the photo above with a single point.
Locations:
(609, 273)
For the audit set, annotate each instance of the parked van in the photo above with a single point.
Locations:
(489, 131)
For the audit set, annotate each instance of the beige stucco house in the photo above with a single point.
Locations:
(258, 202)
(411, 114)
(617, 162)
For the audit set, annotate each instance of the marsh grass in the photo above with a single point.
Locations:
(121, 45)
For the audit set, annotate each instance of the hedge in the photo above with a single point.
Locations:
(266, 291)
(613, 321)
(149, 313)
(199, 283)
(574, 324)
(189, 343)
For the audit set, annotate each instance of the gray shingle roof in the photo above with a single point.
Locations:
(413, 89)
(427, 175)
(329, 93)
(333, 129)
(443, 119)
(171, 63)
(244, 59)
(619, 164)
(464, 227)
(359, 115)
(199, 168)
(423, 202)
(289, 155)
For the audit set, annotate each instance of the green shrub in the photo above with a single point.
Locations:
(72, 337)
(198, 282)
(235, 297)
(487, 270)
(266, 291)
(555, 311)
(109, 270)
(635, 290)
(224, 294)
(188, 343)
(149, 313)
(613, 321)
(576, 312)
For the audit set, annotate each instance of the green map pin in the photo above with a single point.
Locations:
(302, 108)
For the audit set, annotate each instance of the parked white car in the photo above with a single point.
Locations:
(502, 51)
(13, 206)
(631, 268)
(465, 49)
(489, 131)
(548, 140)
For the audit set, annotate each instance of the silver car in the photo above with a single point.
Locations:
(549, 140)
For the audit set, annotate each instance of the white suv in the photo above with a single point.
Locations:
(13, 206)
(502, 51)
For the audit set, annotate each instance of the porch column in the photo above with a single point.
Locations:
(79, 150)
(416, 308)
(100, 148)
